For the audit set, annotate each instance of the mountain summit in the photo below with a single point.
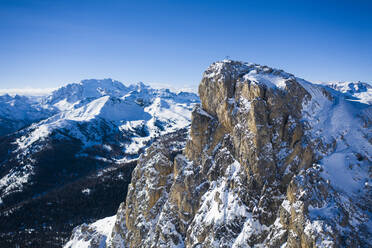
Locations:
(271, 161)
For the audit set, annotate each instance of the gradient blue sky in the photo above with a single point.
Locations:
(47, 43)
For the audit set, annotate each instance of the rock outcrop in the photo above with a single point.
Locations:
(271, 161)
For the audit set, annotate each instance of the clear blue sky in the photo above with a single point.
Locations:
(46, 43)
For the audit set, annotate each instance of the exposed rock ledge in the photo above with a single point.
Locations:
(271, 161)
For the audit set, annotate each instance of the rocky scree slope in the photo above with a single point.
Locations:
(157, 181)
(272, 161)
(84, 139)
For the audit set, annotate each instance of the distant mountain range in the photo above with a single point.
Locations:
(356, 91)
(80, 131)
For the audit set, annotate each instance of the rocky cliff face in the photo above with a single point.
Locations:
(271, 161)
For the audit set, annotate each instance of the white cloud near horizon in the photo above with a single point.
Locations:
(27, 91)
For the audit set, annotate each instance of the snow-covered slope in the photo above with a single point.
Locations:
(96, 234)
(137, 110)
(71, 94)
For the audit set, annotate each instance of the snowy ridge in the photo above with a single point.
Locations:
(85, 90)
(140, 106)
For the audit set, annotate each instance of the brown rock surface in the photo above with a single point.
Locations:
(255, 172)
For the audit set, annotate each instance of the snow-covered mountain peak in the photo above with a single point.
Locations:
(351, 87)
(254, 73)
(108, 108)
(355, 91)
(139, 86)
(71, 94)
(136, 109)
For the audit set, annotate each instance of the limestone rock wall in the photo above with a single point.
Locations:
(265, 165)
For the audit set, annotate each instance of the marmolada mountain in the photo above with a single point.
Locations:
(265, 160)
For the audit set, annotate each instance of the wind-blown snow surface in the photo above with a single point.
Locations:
(96, 234)
(120, 119)
(340, 120)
